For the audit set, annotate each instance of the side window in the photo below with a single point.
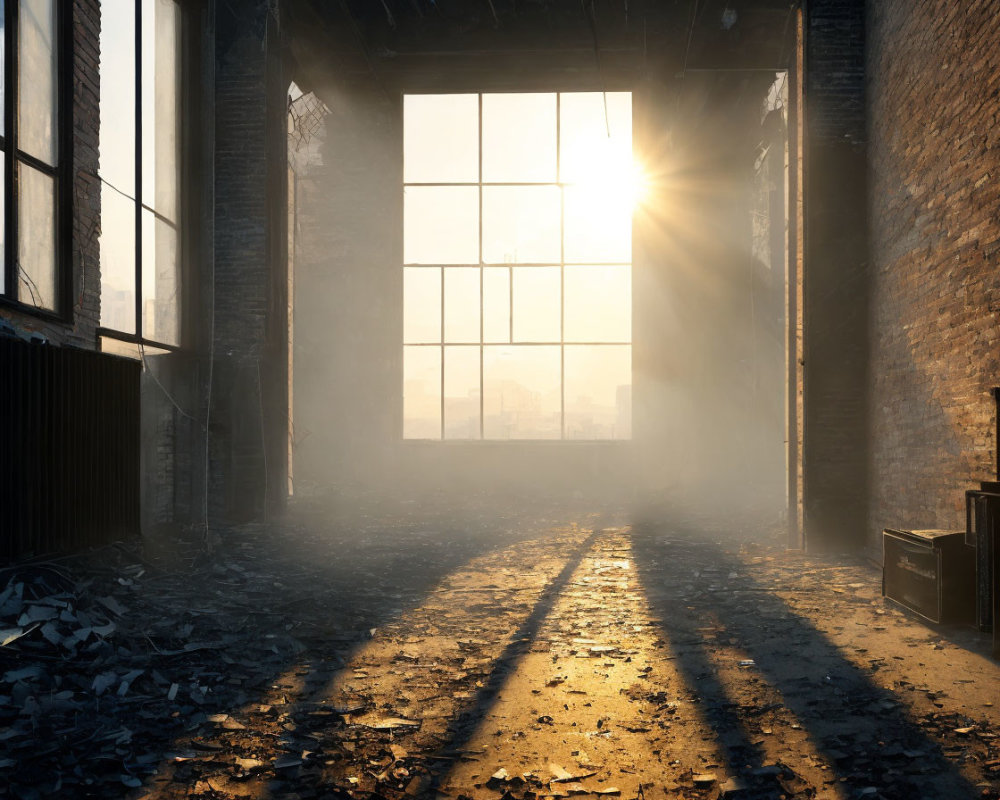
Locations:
(32, 265)
(140, 169)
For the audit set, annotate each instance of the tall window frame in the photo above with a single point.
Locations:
(143, 240)
(35, 157)
(554, 269)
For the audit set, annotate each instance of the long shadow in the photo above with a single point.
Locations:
(521, 640)
(331, 578)
(470, 714)
(860, 728)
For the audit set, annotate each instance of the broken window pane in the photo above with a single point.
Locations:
(36, 238)
(536, 304)
(421, 305)
(598, 391)
(117, 261)
(496, 304)
(598, 226)
(519, 138)
(461, 392)
(441, 225)
(521, 224)
(461, 304)
(421, 392)
(521, 392)
(117, 140)
(160, 281)
(160, 98)
(598, 304)
(37, 98)
(441, 138)
(588, 141)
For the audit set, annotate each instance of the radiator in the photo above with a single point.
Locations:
(69, 448)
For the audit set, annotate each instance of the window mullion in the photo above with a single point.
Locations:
(441, 272)
(138, 170)
(562, 273)
(10, 129)
(482, 304)
(36, 164)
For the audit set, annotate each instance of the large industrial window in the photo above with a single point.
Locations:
(140, 171)
(31, 160)
(517, 266)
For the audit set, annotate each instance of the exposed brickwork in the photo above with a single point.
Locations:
(80, 330)
(86, 188)
(935, 188)
(248, 346)
(835, 70)
(835, 290)
(241, 276)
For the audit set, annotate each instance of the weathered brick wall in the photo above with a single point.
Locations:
(835, 287)
(85, 302)
(248, 312)
(935, 242)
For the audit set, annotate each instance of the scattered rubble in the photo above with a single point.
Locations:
(399, 657)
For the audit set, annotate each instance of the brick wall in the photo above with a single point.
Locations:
(835, 285)
(248, 348)
(85, 302)
(935, 244)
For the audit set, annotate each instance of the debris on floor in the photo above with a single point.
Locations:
(493, 656)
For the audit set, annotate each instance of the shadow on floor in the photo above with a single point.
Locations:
(710, 608)
(310, 587)
(469, 714)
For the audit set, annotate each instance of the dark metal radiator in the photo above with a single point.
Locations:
(69, 448)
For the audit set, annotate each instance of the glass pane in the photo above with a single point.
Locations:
(461, 392)
(441, 225)
(160, 98)
(598, 304)
(441, 138)
(422, 392)
(461, 304)
(536, 304)
(3, 217)
(519, 138)
(521, 397)
(521, 224)
(118, 95)
(598, 392)
(496, 304)
(598, 227)
(117, 261)
(117, 347)
(421, 305)
(37, 238)
(3, 80)
(160, 281)
(592, 147)
(37, 98)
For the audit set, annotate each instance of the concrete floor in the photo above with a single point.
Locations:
(500, 655)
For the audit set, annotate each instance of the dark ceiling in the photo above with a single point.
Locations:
(405, 41)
